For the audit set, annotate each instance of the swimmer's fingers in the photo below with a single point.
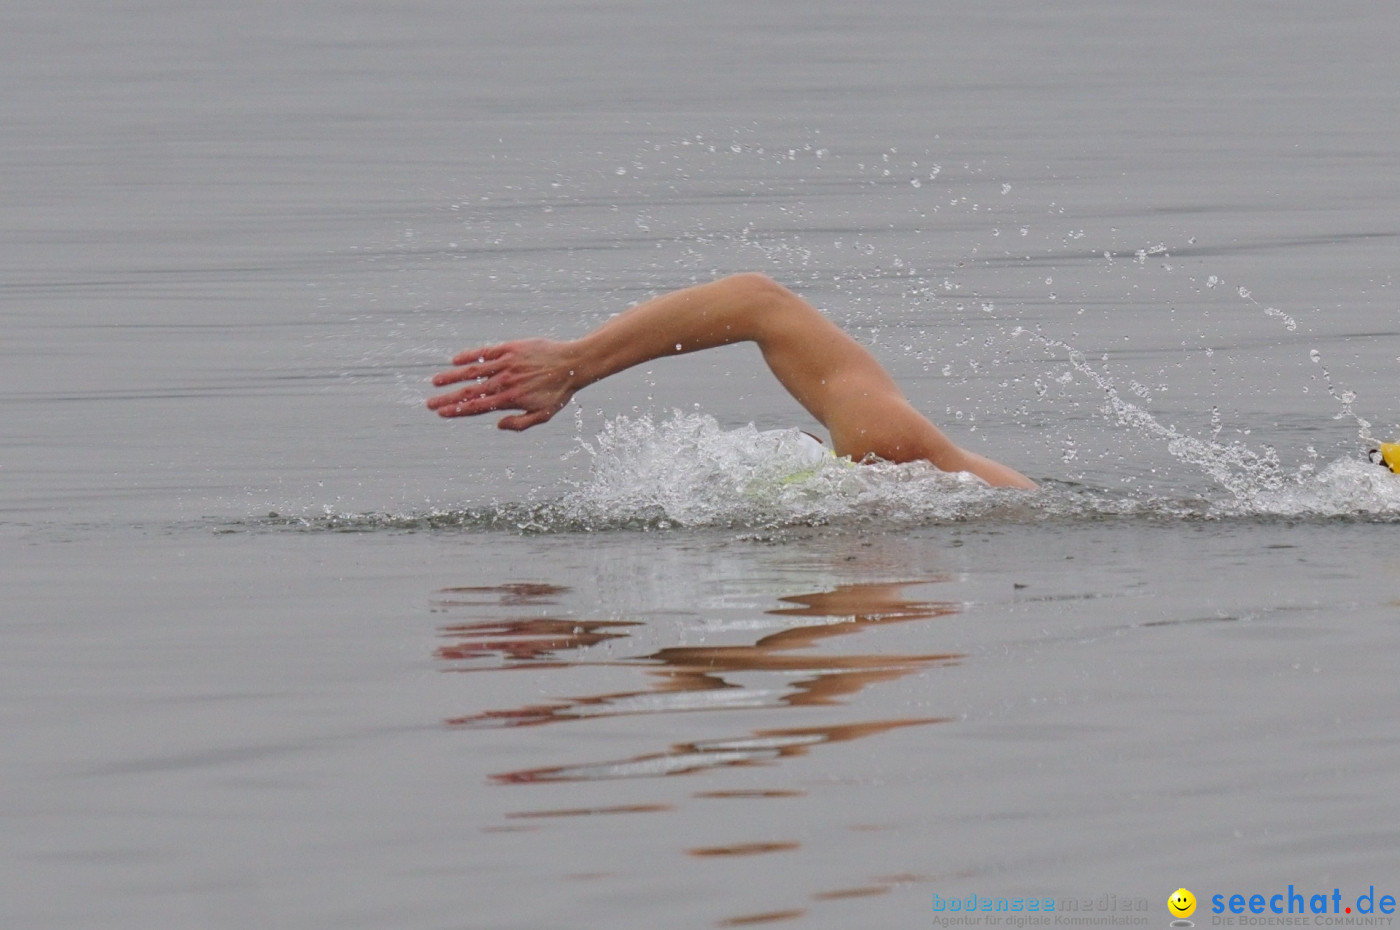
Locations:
(475, 390)
(474, 370)
(472, 400)
(478, 365)
(483, 354)
(526, 375)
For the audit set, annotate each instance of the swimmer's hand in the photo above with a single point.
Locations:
(534, 376)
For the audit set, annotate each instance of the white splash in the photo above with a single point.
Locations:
(1347, 488)
(689, 471)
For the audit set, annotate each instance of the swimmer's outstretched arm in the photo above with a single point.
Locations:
(828, 372)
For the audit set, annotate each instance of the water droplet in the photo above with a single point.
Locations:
(1315, 355)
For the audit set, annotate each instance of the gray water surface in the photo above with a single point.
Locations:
(283, 649)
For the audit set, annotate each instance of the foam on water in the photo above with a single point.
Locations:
(1346, 488)
(688, 471)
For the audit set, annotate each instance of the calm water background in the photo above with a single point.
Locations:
(1146, 254)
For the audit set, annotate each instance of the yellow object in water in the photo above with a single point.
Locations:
(1390, 455)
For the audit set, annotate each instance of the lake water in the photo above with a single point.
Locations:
(283, 649)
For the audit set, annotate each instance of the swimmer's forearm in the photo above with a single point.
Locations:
(818, 364)
(822, 367)
(707, 316)
(540, 376)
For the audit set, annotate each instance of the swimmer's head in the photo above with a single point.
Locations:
(1387, 455)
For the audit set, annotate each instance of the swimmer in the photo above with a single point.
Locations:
(835, 378)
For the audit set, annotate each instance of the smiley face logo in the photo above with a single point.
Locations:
(1182, 903)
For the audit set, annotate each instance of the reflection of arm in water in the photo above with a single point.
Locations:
(828, 372)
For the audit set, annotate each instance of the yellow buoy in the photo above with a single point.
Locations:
(1390, 455)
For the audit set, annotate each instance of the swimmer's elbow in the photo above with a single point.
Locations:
(767, 308)
(756, 289)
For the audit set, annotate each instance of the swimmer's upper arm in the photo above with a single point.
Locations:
(865, 418)
(843, 385)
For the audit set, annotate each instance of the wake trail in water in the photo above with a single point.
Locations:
(686, 471)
